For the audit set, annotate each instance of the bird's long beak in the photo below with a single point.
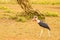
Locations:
(34, 19)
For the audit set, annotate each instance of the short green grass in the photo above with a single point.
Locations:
(51, 2)
(3, 8)
(6, 10)
(8, 2)
(51, 13)
(18, 16)
(10, 14)
(22, 19)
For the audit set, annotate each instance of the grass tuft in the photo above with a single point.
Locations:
(21, 19)
(3, 8)
(6, 10)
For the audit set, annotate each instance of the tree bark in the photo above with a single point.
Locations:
(25, 5)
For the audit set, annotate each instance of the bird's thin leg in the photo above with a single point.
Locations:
(49, 33)
(41, 32)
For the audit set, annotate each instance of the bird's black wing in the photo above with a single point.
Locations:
(42, 24)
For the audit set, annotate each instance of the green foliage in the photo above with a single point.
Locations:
(8, 2)
(3, 8)
(51, 14)
(6, 10)
(33, 13)
(55, 3)
(21, 19)
(23, 16)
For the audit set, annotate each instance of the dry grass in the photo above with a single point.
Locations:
(51, 2)
(12, 30)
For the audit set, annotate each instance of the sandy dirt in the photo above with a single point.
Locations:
(12, 30)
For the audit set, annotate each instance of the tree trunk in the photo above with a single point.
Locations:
(25, 5)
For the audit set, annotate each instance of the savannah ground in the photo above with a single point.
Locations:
(13, 30)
